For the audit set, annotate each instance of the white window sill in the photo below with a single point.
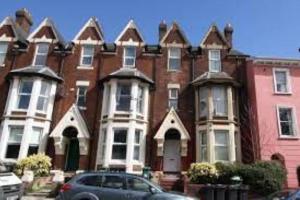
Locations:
(85, 67)
(19, 110)
(128, 66)
(41, 112)
(81, 108)
(174, 70)
(283, 93)
(2, 65)
(9, 160)
(287, 137)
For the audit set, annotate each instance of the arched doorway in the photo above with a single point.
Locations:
(71, 149)
(171, 155)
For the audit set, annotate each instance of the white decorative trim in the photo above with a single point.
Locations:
(92, 22)
(8, 21)
(202, 45)
(129, 25)
(288, 76)
(72, 118)
(173, 85)
(294, 120)
(4, 38)
(162, 43)
(82, 83)
(82, 67)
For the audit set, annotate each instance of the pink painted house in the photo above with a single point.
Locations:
(274, 99)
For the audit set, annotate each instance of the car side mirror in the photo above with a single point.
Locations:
(152, 190)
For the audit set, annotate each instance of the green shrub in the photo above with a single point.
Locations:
(40, 164)
(202, 173)
(226, 171)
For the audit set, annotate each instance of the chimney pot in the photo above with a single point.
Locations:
(24, 19)
(228, 30)
(162, 29)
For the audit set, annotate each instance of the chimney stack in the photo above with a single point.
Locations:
(162, 29)
(228, 30)
(24, 19)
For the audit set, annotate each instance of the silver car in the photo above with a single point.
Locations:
(114, 186)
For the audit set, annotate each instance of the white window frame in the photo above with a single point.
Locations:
(9, 143)
(174, 57)
(173, 98)
(118, 143)
(129, 57)
(215, 113)
(203, 98)
(40, 54)
(212, 60)
(294, 121)
(103, 143)
(137, 144)
(227, 144)
(288, 79)
(24, 94)
(84, 96)
(3, 53)
(30, 144)
(83, 55)
(117, 96)
(203, 146)
(140, 100)
(45, 96)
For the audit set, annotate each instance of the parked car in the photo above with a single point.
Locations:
(10, 185)
(292, 194)
(114, 186)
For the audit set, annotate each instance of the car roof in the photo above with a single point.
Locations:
(108, 173)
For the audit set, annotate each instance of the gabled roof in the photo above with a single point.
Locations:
(172, 121)
(41, 71)
(19, 33)
(175, 27)
(92, 22)
(47, 22)
(213, 29)
(214, 77)
(237, 53)
(130, 25)
(72, 118)
(128, 73)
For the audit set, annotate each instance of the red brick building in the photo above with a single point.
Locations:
(92, 104)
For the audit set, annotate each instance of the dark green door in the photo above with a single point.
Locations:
(72, 153)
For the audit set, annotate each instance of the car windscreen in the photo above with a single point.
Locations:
(3, 169)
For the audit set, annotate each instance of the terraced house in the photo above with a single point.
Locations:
(123, 105)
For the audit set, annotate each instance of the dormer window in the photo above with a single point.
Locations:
(87, 55)
(41, 54)
(3, 51)
(24, 94)
(129, 56)
(214, 57)
(174, 59)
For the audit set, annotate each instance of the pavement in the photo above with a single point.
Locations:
(35, 198)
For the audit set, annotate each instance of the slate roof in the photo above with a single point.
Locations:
(42, 71)
(214, 77)
(234, 52)
(128, 73)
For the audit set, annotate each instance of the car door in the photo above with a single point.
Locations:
(113, 187)
(88, 184)
(137, 188)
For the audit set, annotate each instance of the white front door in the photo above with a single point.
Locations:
(172, 156)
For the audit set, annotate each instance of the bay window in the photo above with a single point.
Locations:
(203, 146)
(123, 97)
(129, 56)
(119, 147)
(214, 57)
(103, 139)
(3, 52)
(221, 145)
(41, 54)
(43, 97)
(35, 139)
(24, 94)
(140, 99)
(137, 144)
(174, 58)
(14, 141)
(219, 95)
(87, 55)
(203, 102)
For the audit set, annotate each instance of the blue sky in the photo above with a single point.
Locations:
(261, 27)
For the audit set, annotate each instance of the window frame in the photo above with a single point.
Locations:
(30, 144)
(79, 96)
(129, 57)
(119, 143)
(219, 99)
(45, 97)
(203, 146)
(37, 47)
(174, 57)
(139, 144)
(171, 98)
(201, 98)
(117, 96)
(294, 121)
(103, 143)
(3, 53)
(10, 127)
(226, 145)
(288, 80)
(140, 100)
(83, 55)
(24, 94)
(212, 60)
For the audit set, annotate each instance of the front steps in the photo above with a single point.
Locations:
(172, 182)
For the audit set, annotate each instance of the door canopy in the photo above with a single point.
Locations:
(172, 121)
(72, 118)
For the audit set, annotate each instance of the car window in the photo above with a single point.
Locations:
(94, 180)
(115, 182)
(282, 195)
(137, 185)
